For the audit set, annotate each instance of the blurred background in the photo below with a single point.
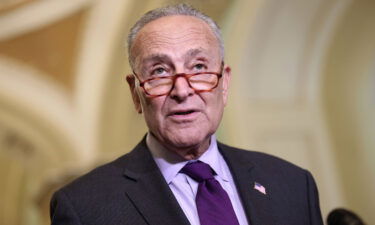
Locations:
(303, 88)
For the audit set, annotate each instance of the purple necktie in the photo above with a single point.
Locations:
(213, 203)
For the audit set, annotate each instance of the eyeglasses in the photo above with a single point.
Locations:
(199, 82)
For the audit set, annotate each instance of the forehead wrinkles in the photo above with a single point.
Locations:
(152, 41)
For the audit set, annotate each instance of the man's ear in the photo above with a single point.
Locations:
(136, 100)
(227, 73)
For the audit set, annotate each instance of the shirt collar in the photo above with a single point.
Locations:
(170, 164)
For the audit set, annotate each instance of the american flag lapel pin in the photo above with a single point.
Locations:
(260, 188)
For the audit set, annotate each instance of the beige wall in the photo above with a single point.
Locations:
(349, 100)
(303, 88)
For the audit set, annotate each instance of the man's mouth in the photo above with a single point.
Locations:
(184, 115)
(184, 112)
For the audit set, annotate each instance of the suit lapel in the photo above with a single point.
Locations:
(257, 205)
(147, 190)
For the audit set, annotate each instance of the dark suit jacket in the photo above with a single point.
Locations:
(132, 191)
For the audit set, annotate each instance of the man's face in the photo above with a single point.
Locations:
(183, 120)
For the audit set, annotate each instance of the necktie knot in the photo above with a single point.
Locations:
(199, 171)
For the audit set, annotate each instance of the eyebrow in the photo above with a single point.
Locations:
(155, 57)
(193, 52)
(160, 57)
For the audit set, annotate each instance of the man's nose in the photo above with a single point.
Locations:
(181, 89)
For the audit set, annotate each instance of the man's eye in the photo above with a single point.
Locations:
(159, 71)
(199, 66)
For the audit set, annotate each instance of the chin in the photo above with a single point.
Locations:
(187, 139)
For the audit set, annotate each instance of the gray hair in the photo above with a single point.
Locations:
(179, 9)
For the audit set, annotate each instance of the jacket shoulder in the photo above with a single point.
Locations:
(111, 173)
(260, 160)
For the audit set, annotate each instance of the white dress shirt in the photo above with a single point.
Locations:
(185, 188)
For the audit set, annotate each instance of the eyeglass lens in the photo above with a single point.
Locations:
(199, 82)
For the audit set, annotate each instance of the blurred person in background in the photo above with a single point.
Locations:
(179, 173)
(343, 217)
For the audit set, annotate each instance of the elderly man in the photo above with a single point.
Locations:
(179, 173)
